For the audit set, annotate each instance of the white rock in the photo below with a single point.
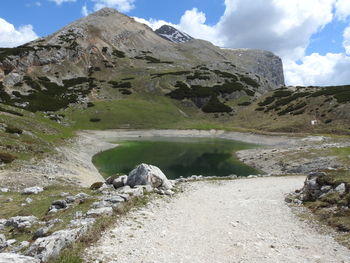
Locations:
(148, 174)
(48, 247)
(131, 191)
(3, 242)
(15, 258)
(32, 190)
(21, 221)
(100, 211)
(340, 189)
(4, 190)
(29, 200)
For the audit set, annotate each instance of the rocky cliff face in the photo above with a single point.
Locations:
(172, 34)
(93, 54)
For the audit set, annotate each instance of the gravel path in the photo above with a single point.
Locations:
(219, 221)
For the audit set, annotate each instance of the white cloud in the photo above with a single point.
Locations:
(59, 2)
(193, 23)
(346, 42)
(153, 23)
(342, 8)
(330, 69)
(11, 37)
(85, 11)
(37, 3)
(121, 5)
(282, 26)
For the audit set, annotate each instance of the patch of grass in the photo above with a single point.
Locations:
(118, 53)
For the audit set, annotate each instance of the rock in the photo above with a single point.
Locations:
(10, 242)
(126, 197)
(82, 196)
(42, 232)
(96, 185)
(3, 243)
(84, 222)
(32, 190)
(54, 221)
(101, 204)
(146, 188)
(111, 179)
(78, 214)
(21, 222)
(326, 188)
(4, 190)
(59, 204)
(45, 248)
(341, 189)
(148, 174)
(115, 199)
(131, 191)
(169, 192)
(15, 258)
(120, 181)
(29, 200)
(100, 211)
(70, 199)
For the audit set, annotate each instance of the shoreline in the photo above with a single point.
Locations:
(73, 162)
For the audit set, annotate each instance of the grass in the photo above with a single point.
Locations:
(39, 208)
(74, 253)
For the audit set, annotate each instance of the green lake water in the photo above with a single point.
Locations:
(176, 157)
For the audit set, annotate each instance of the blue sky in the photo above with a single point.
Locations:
(311, 36)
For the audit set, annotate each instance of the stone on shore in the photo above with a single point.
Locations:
(145, 174)
(32, 190)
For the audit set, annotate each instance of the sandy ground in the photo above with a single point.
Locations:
(222, 221)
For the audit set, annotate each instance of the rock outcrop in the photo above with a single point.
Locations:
(145, 174)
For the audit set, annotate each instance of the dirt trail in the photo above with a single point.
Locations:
(221, 221)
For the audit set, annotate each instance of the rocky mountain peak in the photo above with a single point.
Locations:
(172, 34)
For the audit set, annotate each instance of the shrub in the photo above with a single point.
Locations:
(215, 106)
(247, 103)
(126, 92)
(267, 101)
(118, 53)
(260, 109)
(13, 130)
(249, 81)
(90, 104)
(95, 120)
(7, 157)
(120, 85)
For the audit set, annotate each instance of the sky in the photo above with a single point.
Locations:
(311, 36)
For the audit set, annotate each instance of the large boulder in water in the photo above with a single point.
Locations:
(146, 174)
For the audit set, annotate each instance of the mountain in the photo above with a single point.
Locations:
(99, 51)
(107, 71)
(172, 34)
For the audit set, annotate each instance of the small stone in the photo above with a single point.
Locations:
(119, 181)
(3, 243)
(29, 200)
(10, 242)
(100, 211)
(169, 192)
(341, 189)
(82, 196)
(115, 199)
(42, 232)
(70, 199)
(59, 204)
(4, 190)
(32, 190)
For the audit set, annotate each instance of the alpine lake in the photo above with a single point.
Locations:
(176, 157)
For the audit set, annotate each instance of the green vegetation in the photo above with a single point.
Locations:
(175, 73)
(214, 105)
(120, 85)
(49, 96)
(7, 157)
(5, 53)
(118, 53)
